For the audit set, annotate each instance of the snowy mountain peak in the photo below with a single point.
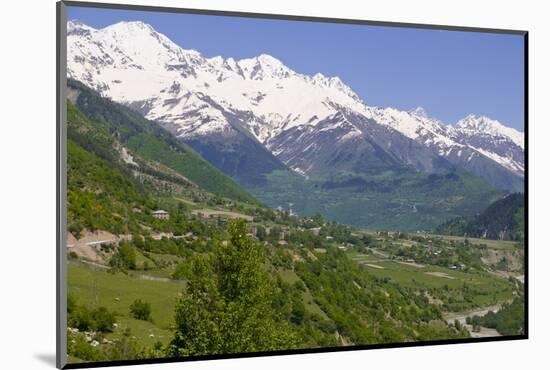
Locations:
(419, 112)
(130, 28)
(486, 125)
(268, 60)
(75, 27)
(75, 23)
(264, 66)
(337, 82)
(143, 39)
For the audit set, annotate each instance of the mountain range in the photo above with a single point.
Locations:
(256, 118)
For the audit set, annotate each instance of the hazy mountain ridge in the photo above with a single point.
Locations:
(503, 219)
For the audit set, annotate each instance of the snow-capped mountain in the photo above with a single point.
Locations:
(130, 62)
(228, 108)
(472, 137)
(489, 137)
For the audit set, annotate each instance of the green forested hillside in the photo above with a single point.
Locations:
(106, 193)
(504, 219)
(202, 283)
(507, 321)
(152, 142)
(399, 199)
(100, 191)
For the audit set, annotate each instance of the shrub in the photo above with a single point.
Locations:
(124, 258)
(78, 347)
(85, 319)
(76, 228)
(128, 255)
(140, 310)
(103, 320)
(80, 318)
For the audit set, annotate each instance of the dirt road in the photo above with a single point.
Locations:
(461, 317)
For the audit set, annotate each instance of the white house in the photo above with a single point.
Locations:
(161, 214)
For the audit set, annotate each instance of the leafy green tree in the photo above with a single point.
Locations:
(183, 270)
(227, 306)
(274, 234)
(318, 219)
(79, 317)
(83, 318)
(78, 347)
(298, 309)
(519, 231)
(509, 320)
(103, 320)
(141, 310)
(127, 255)
(261, 234)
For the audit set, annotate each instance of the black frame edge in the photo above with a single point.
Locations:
(61, 191)
(292, 352)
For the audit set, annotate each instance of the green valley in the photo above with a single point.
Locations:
(164, 262)
(400, 199)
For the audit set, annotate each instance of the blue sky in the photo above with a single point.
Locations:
(450, 74)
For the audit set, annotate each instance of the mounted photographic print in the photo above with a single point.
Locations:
(235, 184)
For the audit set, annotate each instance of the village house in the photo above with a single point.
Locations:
(253, 232)
(315, 230)
(282, 240)
(161, 214)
